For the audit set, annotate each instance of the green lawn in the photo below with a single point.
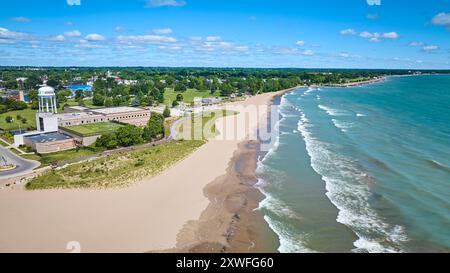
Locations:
(28, 113)
(170, 95)
(94, 129)
(117, 170)
(201, 127)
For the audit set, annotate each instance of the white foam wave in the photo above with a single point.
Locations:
(342, 125)
(289, 243)
(348, 189)
(332, 112)
(360, 115)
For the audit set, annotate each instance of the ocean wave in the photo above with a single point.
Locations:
(333, 112)
(289, 242)
(438, 165)
(348, 188)
(277, 206)
(342, 125)
(360, 115)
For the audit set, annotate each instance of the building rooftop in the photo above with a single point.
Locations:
(76, 115)
(116, 110)
(78, 108)
(49, 137)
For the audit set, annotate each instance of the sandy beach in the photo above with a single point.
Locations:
(162, 213)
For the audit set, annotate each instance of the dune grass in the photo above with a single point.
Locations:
(116, 170)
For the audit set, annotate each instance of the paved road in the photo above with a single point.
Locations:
(23, 166)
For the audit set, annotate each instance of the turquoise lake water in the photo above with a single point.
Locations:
(361, 169)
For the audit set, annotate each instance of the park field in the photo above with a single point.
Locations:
(29, 114)
(170, 95)
(94, 129)
(201, 126)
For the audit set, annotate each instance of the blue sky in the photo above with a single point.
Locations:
(227, 33)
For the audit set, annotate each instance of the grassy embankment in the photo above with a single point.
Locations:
(117, 170)
(121, 169)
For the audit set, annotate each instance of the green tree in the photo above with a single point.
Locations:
(129, 135)
(166, 112)
(180, 97)
(9, 119)
(175, 103)
(108, 102)
(98, 99)
(180, 87)
(108, 141)
(154, 128)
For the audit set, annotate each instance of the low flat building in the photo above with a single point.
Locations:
(49, 142)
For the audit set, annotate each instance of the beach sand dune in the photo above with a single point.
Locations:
(145, 217)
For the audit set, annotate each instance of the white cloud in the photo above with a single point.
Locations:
(416, 43)
(73, 33)
(348, 31)
(73, 2)
(308, 52)
(95, 37)
(87, 44)
(165, 3)
(374, 37)
(442, 19)
(57, 38)
(146, 39)
(119, 29)
(300, 43)
(8, 35)
(391, 35)
(430, 48)
(195, 38)
(213, 38)
(162, 31)
(344, 55)
(21, 19)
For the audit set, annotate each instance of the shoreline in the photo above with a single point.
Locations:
(232, 222)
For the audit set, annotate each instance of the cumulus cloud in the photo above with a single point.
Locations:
(308, 52)
(73, 33)
(391, 35)
(344, 55)
(213, 38)
(21, 19)
(87, 44)
(416, 43)
(119, 29)
(94, 37)
(442, 19)
(348, 31)
(373, 37)
(73, 2)
(300, 43)
(146, 39)
(165, 3)
(57, 38)
(162, 31)
(8, 36)
(430, 48)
